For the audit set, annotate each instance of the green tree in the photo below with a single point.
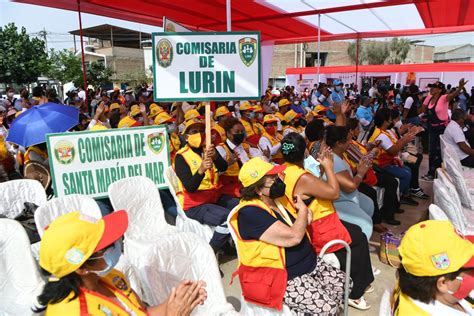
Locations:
(352, 51)
(22, 58)
(399, 48)
(65, 66)
(97, 75)
(377, 52)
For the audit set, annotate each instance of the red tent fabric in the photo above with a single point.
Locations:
(281, 27)
(435, 67)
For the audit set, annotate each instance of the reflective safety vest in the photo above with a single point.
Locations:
(259, 128)
(383, 157)
(250, 129)
(298, 129)
(230, 178)
(93, 303)
(221, 131)
(326, 225)
(280, 116)
(3, 148)
(262, 271)
(274, 140)
(208, 190)
(41, 153)
(403, 305)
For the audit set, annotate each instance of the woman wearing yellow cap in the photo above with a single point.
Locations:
(248, 121)
(295, 123)
(277, 264)
(79, 253)
(271, 138)
(218, 132)
(436, 272)
(199, 193)
(319, 195)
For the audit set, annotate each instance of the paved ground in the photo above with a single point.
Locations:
(385, 280)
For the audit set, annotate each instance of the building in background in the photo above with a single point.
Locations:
(454, 54)
(118, 48)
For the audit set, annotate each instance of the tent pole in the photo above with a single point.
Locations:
(228, 10)
(357, 61)
(82, 51)
(319, 47)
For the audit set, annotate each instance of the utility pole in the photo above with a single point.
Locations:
(43, 34)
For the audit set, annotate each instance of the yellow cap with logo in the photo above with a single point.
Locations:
(221, 111)
(245, 106)
(72, 238)
(114, 106)
(255, 169)
(433, 248)
(194, 121)
(191, 114)
(155, 111)
(126, 121)
(163, 117)
(291, 115)
(283, 102)
(270, 118)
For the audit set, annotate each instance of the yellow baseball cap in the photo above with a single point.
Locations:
(155, 111)
(163, 117)
(257, 109)
(319, 108)
(283, 102)
(98, 127)
(433, 248)
(270, 118)
(135, 110)
(127, 121)
(114, 106)
(221, 111)
(291, 115)
(192, 122)
(192, 114)
(72, 238)
(245, 106)
(153, 105)
(255, 169)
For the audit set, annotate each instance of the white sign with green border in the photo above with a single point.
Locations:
(88, 162)
(206, 66)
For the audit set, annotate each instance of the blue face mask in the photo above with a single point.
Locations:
(338, 88)
(251, 115)
(312, 165)
(111, 257)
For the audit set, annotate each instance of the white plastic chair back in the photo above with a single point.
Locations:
(443, 143)
(16, 192)
(183, 222)
(385, 306)
(249, 309)
(20, 281)
(140, 198)
(437, 214)
(380, 195)
(443, 197)
(459, 182)
(163, 265)
(56, 207)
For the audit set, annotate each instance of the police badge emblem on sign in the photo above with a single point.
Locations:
(164, 53)
(248, 50)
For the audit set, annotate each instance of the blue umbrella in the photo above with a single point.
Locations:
(30, 127)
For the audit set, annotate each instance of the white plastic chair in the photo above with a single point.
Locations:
(140, 198)
(163, 265)
(385, 306)
(459, 182)
(20, 281)
(183, 222)
(16, 192)
(437, 214)
(47, 213)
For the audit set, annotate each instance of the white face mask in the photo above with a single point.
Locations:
(312, 165)
(171, 128)
(398, 124)
(10, 94)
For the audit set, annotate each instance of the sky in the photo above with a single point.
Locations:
(58, 23)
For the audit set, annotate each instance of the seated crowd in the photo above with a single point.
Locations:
(293, 172)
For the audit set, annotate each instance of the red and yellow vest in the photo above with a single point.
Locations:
(403, 305)
(221, 131)
(93, 303)
(209, 189)
(298, 129)
(230, 178)
(280, 116)
(383, 158)
(262, 270)
(36, 150)
(274, 140)
(259, 128)
(326, 225)
(370, 177)
(250, 129)
(3, 148)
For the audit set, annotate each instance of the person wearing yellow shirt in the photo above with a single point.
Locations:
(175, 142)
(271, 138)
(259, 119)
(78, 255)
(295, 123)
(436, 273)
(248, 119)
(218, 131)
(273, 244)
(284, 105)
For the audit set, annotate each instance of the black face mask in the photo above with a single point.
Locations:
(277, 189)
(231, 108)
(296, 123)
(238, 139)
(303, 122)
(391, 126)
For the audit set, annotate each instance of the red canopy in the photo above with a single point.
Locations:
(438, 16)
(435, 67)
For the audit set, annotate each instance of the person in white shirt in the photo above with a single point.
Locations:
(373, 91)
(436, 272)
(454, 136)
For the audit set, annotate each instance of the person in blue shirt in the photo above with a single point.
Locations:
(364, 113)
(337, 95)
